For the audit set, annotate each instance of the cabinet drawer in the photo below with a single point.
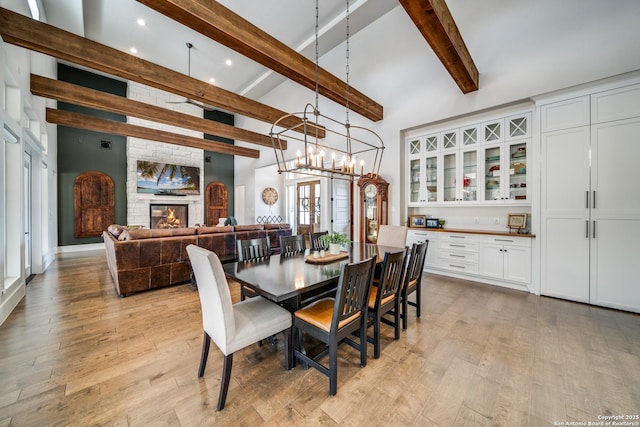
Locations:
(414, 236)
(458, 246)
(457, 256)
(505, 240)
(459, 266)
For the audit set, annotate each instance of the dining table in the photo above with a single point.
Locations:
(289, 280)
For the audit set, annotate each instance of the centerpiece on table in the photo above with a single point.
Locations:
(334, 241)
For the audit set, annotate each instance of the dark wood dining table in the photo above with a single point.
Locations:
(288, 279)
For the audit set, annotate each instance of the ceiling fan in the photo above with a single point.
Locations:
(187, 100)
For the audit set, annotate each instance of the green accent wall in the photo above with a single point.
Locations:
(80, 151)
(217, 166)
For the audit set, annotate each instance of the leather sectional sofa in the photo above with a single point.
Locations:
(145, 259)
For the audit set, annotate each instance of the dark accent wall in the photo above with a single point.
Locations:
(220, 167)
(82, 151)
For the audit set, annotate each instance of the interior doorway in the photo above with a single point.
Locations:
(308, 207)
(27, 215)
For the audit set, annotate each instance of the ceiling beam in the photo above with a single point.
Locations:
(25, 32)
(220, 24)
(82, 121)
(74, 94)
(434, 20)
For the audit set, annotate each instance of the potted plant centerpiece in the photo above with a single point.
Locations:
(335, 240)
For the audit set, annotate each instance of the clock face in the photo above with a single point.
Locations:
(270, 196)
(371, 191)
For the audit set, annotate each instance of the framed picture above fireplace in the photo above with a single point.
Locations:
(167, 179)
(168, 216)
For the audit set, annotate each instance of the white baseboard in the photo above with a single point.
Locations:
(80, 248)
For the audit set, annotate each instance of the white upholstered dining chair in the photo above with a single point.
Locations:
(392, 235)
(233, 327)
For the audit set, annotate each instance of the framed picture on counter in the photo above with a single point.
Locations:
(418, 221)
(517, 220)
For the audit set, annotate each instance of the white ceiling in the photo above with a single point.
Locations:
(163, 41)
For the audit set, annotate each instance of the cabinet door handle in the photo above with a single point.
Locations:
(587, 199)
(458, 237)
(587, 229)
(503, 240)
(594, 199)
(453, 245)
(458, 256)
(594, 229)
(456, 266)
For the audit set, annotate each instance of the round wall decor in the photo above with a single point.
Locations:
(270, 196)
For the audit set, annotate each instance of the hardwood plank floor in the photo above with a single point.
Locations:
(74, 353)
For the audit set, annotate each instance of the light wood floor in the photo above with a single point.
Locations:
(74, 353)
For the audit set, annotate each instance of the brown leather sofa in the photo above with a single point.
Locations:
(145, 259)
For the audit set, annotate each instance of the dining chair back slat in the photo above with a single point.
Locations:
(315, 244)
(254, 249)
(413, 279)
(290, 245)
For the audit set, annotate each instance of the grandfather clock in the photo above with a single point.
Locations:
(373, 206)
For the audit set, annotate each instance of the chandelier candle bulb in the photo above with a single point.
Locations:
(361, 167)
(333, 160)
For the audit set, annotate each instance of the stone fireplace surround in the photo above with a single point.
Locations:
(138, 204)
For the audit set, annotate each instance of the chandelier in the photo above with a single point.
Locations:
(326, 146)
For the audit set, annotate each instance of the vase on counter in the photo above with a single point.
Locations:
(334, 248)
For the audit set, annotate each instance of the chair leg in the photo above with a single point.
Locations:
(224, 382)
(418, 286)
(363, 343)
(288, 349)
(396, 319)
(333, 368)
(376, 336)
(405, 308)
(206, 341)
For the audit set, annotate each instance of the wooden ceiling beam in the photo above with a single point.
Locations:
(79, 95)
(434, 21)
(83, 121)
(215, 21)
(25, 32)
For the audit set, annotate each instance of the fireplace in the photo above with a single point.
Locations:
(169, 216)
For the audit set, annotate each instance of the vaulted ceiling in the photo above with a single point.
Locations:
(234, 51)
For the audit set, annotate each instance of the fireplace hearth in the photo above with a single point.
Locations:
(168, 216)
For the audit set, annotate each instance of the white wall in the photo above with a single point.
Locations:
(521, 49)
(25, 116)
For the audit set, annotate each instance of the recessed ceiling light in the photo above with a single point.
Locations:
(141, 22)
(133, 50)
(212, 80)
(228, 62)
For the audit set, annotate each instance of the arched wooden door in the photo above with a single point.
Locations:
(216, 202)
(93, 204)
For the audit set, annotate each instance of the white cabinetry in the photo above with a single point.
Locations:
(506, 258)
(590, 198)
(459, 252)
(476, 163)
(497, 259)
(420, 236)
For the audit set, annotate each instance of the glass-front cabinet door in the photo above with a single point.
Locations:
(505, 173)
(469, 179)
(415, 180)
(431, 178)
(449, 169)
(492, 174)
(517, 152)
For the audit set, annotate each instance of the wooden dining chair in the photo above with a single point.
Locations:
(413, 280)
(385, 298)
(333, 321)
(233, 327)
(290, 245)
(252, 250)
(392, 235)
(314, 241)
